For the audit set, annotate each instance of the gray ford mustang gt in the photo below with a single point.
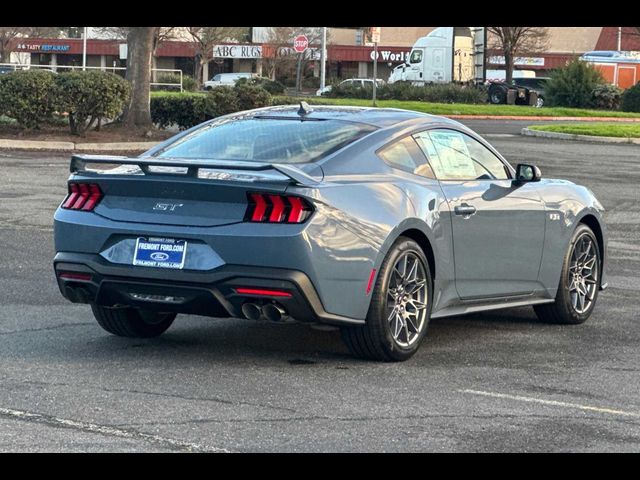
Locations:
(373, 220)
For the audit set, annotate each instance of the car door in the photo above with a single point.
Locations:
(498, 226)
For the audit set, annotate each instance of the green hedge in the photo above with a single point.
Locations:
(436, 93)
(272, 86)
(631, 99)
(28, 96)
(90, 96)
(189, 109)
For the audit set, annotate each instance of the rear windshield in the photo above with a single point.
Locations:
(267, 140)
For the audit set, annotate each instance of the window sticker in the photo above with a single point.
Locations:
(455, 161)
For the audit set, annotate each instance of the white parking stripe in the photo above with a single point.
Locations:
(553, 403)
(105, 430)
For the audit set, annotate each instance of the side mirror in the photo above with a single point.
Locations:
(527, 173)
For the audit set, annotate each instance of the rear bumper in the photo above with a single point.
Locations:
(209, 293)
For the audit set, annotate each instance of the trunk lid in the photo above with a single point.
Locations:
(198, 194)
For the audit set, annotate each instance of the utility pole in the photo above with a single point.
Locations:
(323, 58)
(375, 38)
(619, 38)
(84, 49)
(375, 71)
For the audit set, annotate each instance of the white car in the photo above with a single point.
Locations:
(228, 79)
(355, 82)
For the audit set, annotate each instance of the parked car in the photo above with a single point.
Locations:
(372, 220)
(351, 82)
(228, 79)
(6, 69)
(523, 88)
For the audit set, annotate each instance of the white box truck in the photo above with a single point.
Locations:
(444, 55)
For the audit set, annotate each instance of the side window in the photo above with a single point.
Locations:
(416, 56)
(456, 156)
(406, 155)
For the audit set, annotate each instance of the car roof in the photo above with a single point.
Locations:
(378, 117)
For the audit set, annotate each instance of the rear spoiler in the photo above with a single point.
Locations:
(79, 162)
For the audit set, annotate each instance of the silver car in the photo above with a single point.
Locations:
(372, 220)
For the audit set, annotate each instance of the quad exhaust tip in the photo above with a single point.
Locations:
(270, 311)
(251, 311)
(274, 312)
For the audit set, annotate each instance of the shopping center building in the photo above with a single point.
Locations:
(348, 55)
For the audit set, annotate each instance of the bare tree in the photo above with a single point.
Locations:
(206, 37)
(161, 34)
(9, 37)
(517, 41)
(281, 55)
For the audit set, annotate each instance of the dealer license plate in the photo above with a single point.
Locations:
(160, 252)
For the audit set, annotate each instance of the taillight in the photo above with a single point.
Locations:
(268, 208)
(82, 196)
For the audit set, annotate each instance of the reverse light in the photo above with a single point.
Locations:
(82, 196)
(268, 208)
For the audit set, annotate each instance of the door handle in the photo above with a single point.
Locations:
(465, 209)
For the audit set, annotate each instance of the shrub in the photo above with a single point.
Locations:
(91, 96)
(607, 97)
(251, 96)
(189, 83)
(272, 86)
(573, 85)
(311, 82)
(221, 101)
(28, 96)
(631, 99)
(436, 93)
(182, 109)
(188, 109)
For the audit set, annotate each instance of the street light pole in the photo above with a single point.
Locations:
(323, 58)
(375, 71)
(619, 38)
(84, 49)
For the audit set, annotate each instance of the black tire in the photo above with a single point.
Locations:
(132, 322)
(497, 95)
(562, 311)
(374, 340)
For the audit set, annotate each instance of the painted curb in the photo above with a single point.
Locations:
(546, 119)
(580, 138)
(68, 147)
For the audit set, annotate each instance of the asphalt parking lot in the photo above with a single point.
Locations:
(500, 381)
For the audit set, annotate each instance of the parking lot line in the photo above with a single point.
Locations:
(106, 430)
(553, 403)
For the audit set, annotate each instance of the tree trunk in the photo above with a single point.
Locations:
(139, 53)
(508, 66)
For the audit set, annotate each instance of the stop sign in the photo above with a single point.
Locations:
(300, 43)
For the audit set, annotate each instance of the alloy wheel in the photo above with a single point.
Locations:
(407, 299)
(583, 274)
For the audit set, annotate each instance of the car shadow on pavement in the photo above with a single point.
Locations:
(236, 340)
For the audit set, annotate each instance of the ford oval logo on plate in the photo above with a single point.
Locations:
(160, 252)
(159, 256)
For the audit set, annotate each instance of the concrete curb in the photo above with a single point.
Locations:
(69, 147)
(580, 138)
(533, 119)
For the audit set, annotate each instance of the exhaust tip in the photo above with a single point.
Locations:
(274, 312)
(251, 311)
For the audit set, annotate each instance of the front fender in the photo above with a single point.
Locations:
(566, 206)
